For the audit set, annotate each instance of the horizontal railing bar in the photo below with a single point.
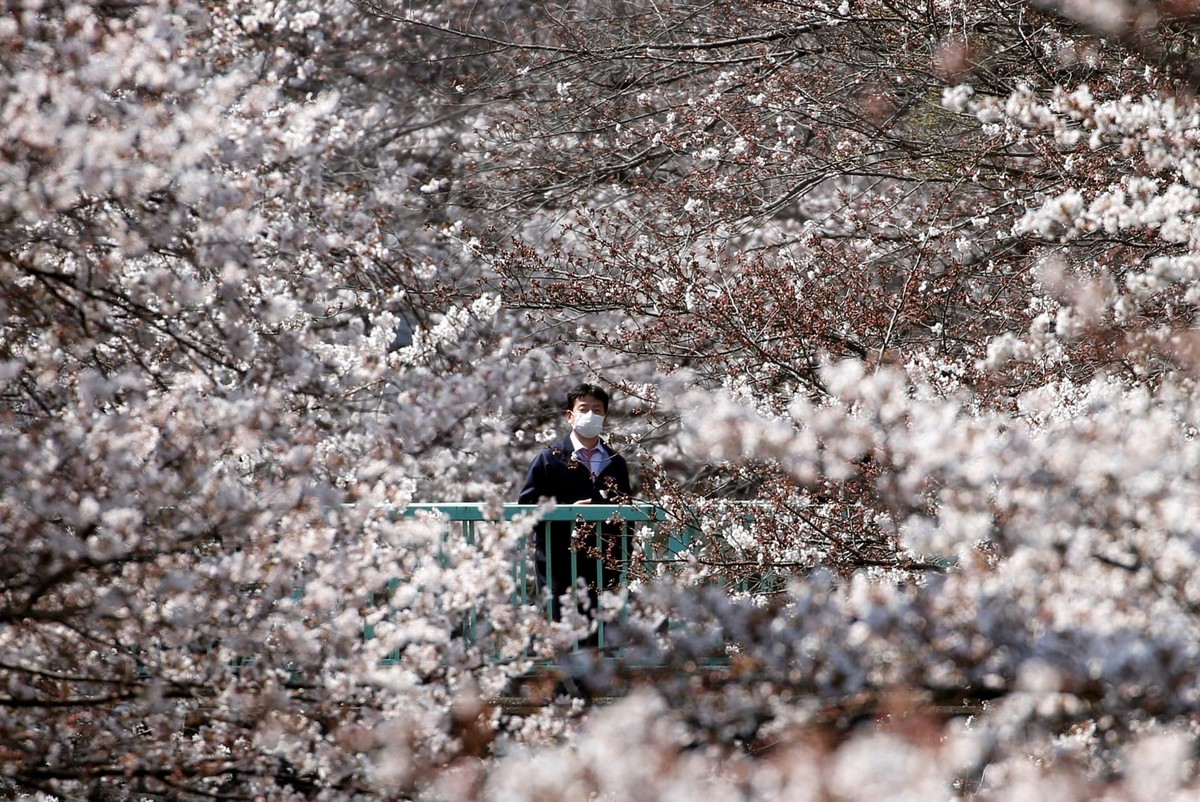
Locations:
(562, 512)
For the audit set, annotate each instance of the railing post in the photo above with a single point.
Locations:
(599, 531)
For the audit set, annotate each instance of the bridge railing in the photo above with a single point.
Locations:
(632, 528)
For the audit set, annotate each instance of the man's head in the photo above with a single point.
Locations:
(587, 406)
(587, 397)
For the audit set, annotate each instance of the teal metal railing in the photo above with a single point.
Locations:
(632, 526)
(649, 541)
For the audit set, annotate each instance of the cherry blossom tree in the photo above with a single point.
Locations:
(981, 251)
(216, 394)
(897, 299)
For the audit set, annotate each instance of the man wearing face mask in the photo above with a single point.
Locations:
(579, 469)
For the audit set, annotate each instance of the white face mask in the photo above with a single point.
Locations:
(587, 424)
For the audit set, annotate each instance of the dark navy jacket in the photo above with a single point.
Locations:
(556, 473)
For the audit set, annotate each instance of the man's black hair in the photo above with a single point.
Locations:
(579, 391)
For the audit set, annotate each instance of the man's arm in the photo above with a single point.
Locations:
(535, 488)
